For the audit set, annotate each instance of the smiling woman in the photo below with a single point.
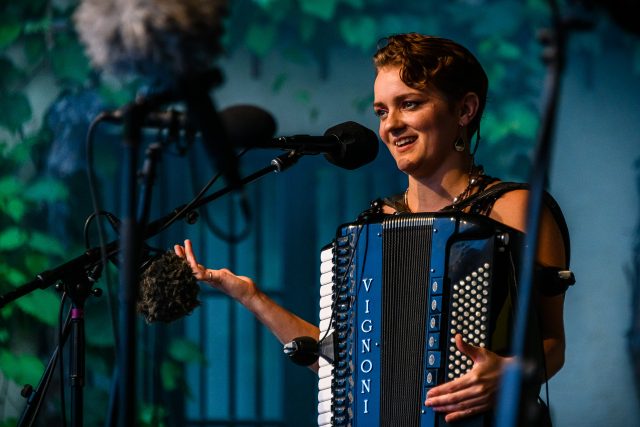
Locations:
(429, 95)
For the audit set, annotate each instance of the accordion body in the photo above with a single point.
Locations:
(394, 292)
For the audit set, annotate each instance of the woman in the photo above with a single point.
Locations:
(429, 95)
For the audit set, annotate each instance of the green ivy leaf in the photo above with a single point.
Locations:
(260, 38)
(46, 189)
(9, 186)
(13, 207)
(152, 415)
(170, 373)
(41, 304)
(9, 422)
(522, 120)
(12, 275)
(6, 312)
(68, 60)
(22, 368)
(186, 351)
(45, 244)
(36, 262)
(12, 238)
(16, 110)
(278, 82)
(359, 31)
(37, 26)
(303, 96)
(4, 335)
(9, 32)
(324, 10)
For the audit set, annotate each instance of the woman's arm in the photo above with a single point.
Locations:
(511, 210)
(281, 322)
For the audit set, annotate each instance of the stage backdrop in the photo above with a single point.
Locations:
(308, 63)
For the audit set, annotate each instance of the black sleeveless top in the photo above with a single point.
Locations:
(549, 280)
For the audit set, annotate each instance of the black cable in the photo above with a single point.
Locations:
(104, 258)
(217, 231)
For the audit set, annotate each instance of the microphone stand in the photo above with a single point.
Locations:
(75, 270)
(516, 404)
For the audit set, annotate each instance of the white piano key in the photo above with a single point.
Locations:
(324, 406)
(324, 383)
(326, 278)
(326, 301)
(325, 313)
(326, 255)
(322, 361)
(325, 371)
(324, 419)
(326, 289)
(324, 325)
(326, 267)
(325, 394)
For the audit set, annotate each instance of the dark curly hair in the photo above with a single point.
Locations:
(168, 289)
(436, 63)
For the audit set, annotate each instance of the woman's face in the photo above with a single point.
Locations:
(419, 127)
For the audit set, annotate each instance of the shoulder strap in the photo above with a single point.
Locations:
(489, 196)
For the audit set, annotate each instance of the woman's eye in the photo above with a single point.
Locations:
(380, 112)
(408, 105)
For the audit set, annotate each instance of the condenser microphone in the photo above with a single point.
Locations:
(157, 39)
(348, 145)
(172, 45)
(244, 125)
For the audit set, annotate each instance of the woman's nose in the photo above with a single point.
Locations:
(393, 122)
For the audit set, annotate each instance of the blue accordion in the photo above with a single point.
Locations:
(394, 293)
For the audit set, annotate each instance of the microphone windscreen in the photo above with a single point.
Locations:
(161, 39)
(358, 145)
(168, 290)
(248, 125)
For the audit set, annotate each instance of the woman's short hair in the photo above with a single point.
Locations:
(435, 63)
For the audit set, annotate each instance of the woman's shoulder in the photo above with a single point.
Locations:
(511, 209)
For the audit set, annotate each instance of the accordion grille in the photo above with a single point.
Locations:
(406, 278)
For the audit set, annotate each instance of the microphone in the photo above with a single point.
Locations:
(243, 124)
(171, 44)
(159, 39)
(168, 289)
(306, 350)
(348, 145)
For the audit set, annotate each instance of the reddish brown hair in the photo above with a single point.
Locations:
(436, 63)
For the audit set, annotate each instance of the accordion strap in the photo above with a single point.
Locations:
(481, 203)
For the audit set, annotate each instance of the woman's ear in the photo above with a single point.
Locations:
(468, 108)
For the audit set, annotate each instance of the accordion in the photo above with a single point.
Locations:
(394, 292)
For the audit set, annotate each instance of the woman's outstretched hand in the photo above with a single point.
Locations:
(240, 288)
(474, 392)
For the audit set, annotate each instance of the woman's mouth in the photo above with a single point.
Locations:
(401, 142)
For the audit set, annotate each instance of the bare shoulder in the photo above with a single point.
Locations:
(511, 210)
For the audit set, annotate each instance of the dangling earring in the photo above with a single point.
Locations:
(460, 145)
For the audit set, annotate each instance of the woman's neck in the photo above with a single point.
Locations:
(432, 193)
